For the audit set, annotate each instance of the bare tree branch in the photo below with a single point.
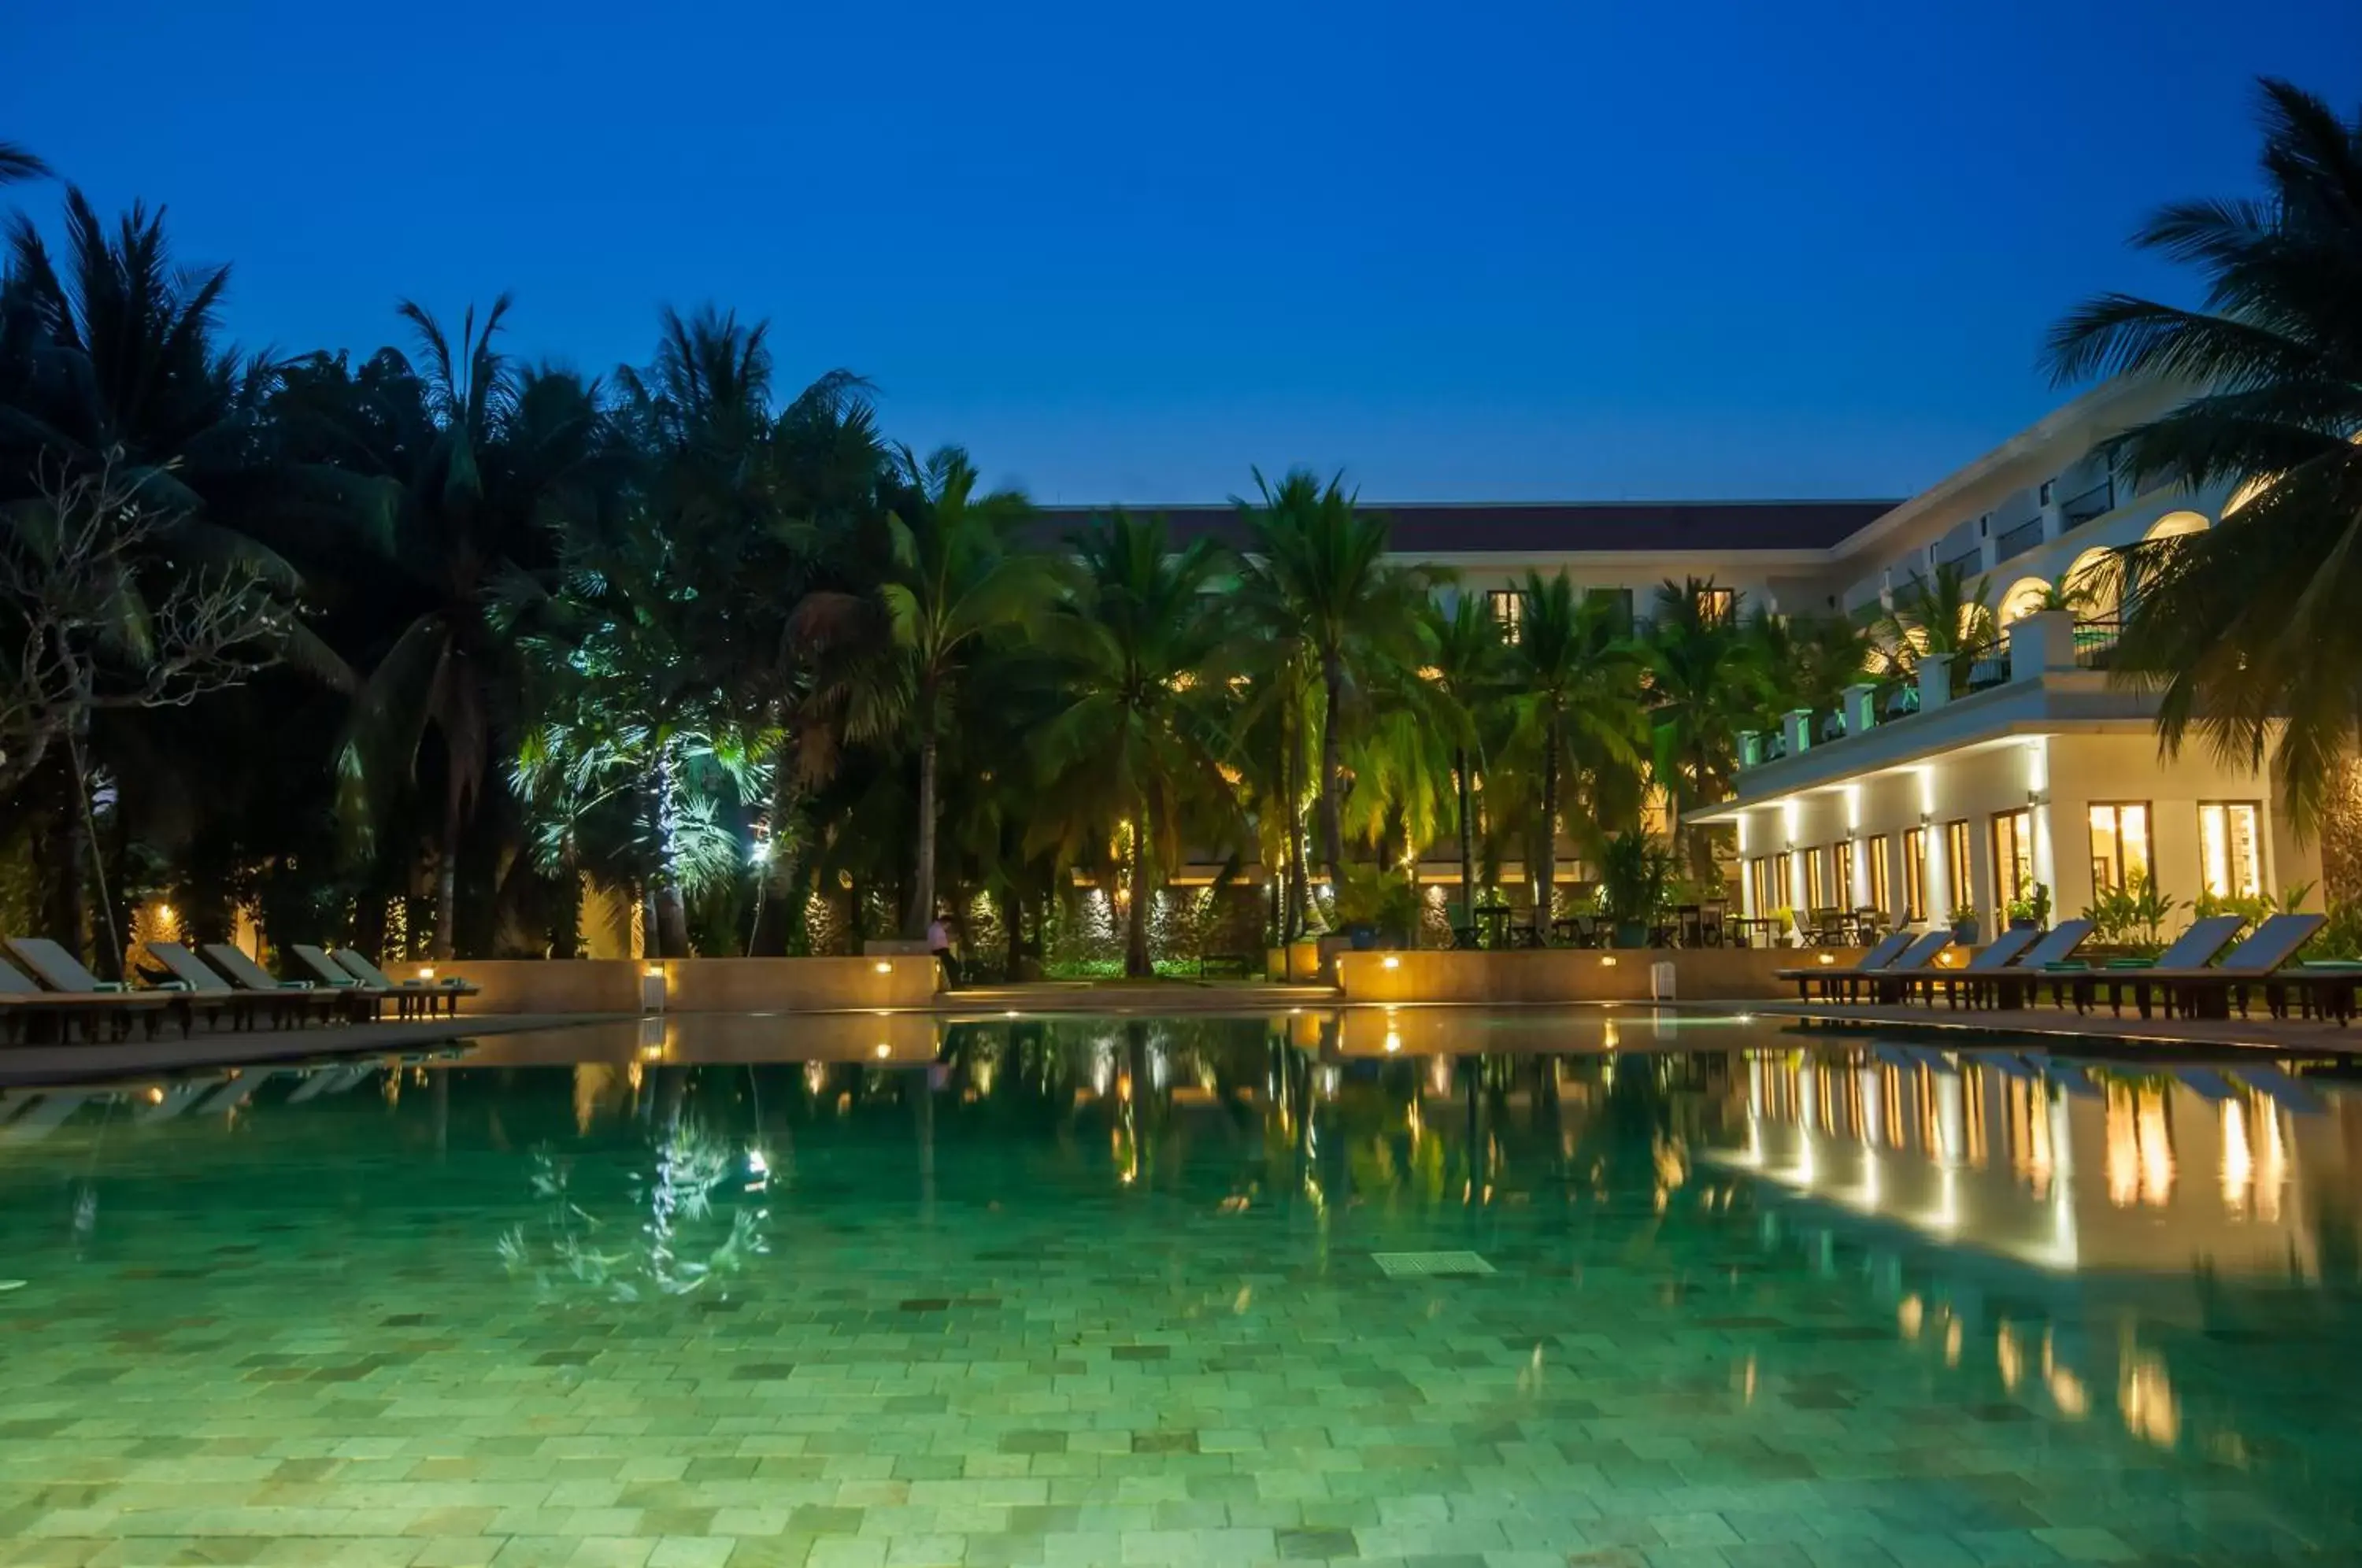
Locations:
(97, 620)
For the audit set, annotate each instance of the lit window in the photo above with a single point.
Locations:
(1508, 607)
(1959, 884)
(2119, 844)
(1816, 879)
(1878, 875)
(1717, 606)
(2230, 848)
(1843, 891)
(2013, 856)
(1914, 874)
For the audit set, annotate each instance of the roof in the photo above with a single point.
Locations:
(1449, 528)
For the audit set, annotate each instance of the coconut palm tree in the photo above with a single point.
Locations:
(1581, 727)
(1943, 611)
(957, 580)
(1706, 683)
(1137, 746)
(2248, 629)
(18, 164)
(1470, 669)
(452, 477)
(1318, 576)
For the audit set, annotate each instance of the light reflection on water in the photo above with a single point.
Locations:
(2168, 1251)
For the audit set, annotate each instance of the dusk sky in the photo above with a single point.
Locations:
(1531, 251)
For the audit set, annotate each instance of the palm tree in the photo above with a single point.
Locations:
(18, 164)
(1318, 574)
(1706, 683)
(1471, 663)
(956, 581)
(2248, 629)
(453, 478)
(1139, 736)
(1579, 716)
(1942, 612)
(632, 746)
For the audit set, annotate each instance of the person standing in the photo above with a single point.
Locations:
(939, 942)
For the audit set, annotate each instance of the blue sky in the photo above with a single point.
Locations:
(1539, 251)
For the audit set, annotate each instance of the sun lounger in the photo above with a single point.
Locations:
(47, 1114)
(410, 996)
(2197, 990)
(1881, 985)
(2017, 985)
(2002, 951)
(2192, 950)
(249, 976)
(74, 994)
(209, 989)
(1833, 980)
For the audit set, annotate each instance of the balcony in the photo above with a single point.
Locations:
(2051, 669)
(2096, 502)
(2017, 540)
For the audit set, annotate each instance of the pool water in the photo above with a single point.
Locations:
(1429, 1288)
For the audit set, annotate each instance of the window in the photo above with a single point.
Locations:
(1844, 888)
(1508, 607)
(1914, 874)
(2230, 848)
(2012, 833)
(1816, 879)
(1762, 873)
(1717, 606)
(2119, 844)
(1959, 882)
(1620, 599)
(2046, 491)
(1878, 887)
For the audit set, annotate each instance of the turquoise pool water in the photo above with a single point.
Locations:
(755, 1291)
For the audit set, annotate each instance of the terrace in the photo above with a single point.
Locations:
(2052, 669)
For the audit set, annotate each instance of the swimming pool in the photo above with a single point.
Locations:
(1443, 1287)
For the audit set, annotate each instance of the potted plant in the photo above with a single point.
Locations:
(1636, 874)
(2031, 912)
(1964, 925)
(1375, 905)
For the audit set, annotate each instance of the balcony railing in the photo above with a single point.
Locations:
(2018, 540)
(2096, 502)
(2095, 643)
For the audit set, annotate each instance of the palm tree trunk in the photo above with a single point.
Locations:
(1012, 926)
(1332, 828)
(1467, 841)
(671, 912)
(446, 879)
(1135, 928)
(922, 879)
(1545, 875)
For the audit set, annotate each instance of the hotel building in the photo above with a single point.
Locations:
(1963, 794)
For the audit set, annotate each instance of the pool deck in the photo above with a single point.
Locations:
(2310, 1036)
(29, 1065)
(168, 1053)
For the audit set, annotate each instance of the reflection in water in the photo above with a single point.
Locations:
(1997, 1227)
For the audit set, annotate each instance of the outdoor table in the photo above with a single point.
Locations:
(1494, 921)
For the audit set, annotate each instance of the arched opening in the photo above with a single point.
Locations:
(2023, 598)
(2174, 524)
(2095, 582)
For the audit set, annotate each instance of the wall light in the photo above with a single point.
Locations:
(1393, 1043)
(427, 971)
(653, 972)
(1607, 961)
(1389, 962)
(884, 1049)
(884, 967)
(1828, 958)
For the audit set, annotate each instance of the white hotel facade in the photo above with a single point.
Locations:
(2043, 772)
